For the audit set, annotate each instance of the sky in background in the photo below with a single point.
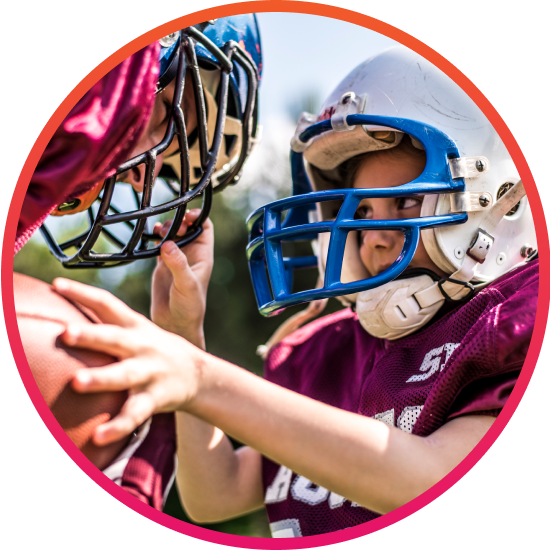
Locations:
(308, 55)
(304, 57)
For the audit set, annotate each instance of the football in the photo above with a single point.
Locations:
(42, 315)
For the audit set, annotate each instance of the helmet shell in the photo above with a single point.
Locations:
(400, 83)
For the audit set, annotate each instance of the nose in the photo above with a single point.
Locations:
(136, 176)
(380, 245)
(381, 240)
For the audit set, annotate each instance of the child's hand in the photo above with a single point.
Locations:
(180, 281)
(156, 367)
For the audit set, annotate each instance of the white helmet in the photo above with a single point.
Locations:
(476, 222)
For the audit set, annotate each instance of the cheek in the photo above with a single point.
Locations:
(364, 252)
(422, 259)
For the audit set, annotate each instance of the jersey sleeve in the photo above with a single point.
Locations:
(95, 137)
(150, 471)
(484, 368)
(484, 397)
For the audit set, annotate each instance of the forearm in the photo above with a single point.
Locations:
(214, 481)
(364, 460)
(360, 458)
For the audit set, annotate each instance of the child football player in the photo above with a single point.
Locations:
(187, 102)
(423, 228)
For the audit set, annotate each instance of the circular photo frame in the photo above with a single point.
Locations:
(168, 29)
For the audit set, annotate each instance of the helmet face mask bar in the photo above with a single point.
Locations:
(142, 242)
(267, 231)
(475, 218)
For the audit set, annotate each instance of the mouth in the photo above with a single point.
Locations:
(381, 268)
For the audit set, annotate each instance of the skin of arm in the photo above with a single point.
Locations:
(178, 304)
(378, 466)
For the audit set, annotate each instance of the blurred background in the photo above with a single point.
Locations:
(304, 57)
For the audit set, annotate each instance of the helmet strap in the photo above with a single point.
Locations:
(377, 307)
(457, 287)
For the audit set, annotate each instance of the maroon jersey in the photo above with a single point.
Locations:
(466, 362)
(94, 138)
(147, 466)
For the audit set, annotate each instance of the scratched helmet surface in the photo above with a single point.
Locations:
(475, 221)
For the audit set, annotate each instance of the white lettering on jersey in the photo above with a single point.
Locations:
(388, 417)
(335, 501)
(406, 420)
(286, 528)
(449, 348)
(432, 362)
(305, 491)
(302, 489)
(278, 490)
(408, 417)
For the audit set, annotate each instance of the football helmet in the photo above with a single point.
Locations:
(223, 60)
(475, 219)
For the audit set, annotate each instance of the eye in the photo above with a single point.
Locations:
(408, 202)
(363, 213)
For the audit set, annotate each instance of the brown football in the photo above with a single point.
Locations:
(42, 315)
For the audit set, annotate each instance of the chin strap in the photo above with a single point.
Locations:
(409, 312)
(457, 287)
(403, 306)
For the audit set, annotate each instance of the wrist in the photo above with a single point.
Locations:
(197, 339)
(200, 360)
(192, 331)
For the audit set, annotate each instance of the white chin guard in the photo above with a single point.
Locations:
(392, 312)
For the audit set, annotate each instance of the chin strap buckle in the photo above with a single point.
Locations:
(480, 246)
(464, 284)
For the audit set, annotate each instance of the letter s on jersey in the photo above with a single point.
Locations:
(432, 362)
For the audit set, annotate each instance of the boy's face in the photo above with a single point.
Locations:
(379, 248)
(156, 128)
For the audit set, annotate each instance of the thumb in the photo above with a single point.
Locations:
(176, 261)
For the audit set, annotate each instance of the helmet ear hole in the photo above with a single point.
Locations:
(80, 203)
(230, 141)
(69, 206)
(501, 191)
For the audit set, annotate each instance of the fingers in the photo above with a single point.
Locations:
(126, 375)
(109, 309)
(137, 409)
(176, 261)
(191, 216)
(108, 339)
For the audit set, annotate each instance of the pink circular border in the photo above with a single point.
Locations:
(15, 209)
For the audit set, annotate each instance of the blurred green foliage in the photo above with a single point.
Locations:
(233, 326)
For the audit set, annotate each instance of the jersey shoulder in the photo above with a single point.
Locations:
(321, 338)
(514, 317)
(494, 331)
